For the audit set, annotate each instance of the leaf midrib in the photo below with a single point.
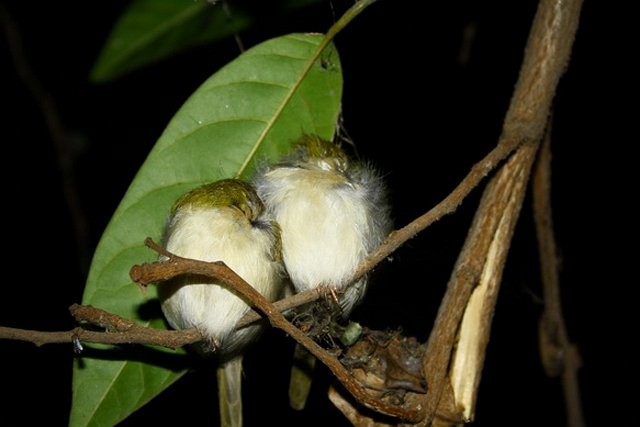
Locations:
(261, 138)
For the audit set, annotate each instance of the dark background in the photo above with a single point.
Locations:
(414, 108)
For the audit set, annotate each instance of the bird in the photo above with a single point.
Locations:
(332, 212)
(224, 221)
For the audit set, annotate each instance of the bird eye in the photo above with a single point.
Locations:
(261, 224)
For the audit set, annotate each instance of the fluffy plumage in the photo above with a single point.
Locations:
(332, 212)
(222, 221)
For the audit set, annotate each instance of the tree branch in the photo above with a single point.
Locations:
(546, 55)
(400, 236)
(118, 331)
(559, 355)
(146, 274)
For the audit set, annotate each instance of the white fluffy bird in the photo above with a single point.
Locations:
(222, 221)
(332, 213)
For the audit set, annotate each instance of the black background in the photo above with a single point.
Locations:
(413, 108)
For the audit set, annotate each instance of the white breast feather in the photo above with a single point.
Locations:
(323, 219)
(219, 234)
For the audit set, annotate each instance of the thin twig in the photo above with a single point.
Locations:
(136, 335)
(559, 355)
(398, 237)
(447, 206)
(118, 330)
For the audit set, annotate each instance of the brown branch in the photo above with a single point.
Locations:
(38, 338)
(150, 273)
(504, 197)
(111, 322)
(119, 331)
(546, 56)
(447, 206)
(140, 335)
(398, 237)
(559, 355)
(176, 338)
(285, 304)
(157, 248)
(482, 259)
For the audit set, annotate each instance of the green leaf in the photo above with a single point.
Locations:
(151, 30)
(249, 111)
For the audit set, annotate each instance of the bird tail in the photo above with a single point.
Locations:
(301, 377)
(230, 392)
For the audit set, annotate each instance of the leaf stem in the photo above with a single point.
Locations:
(344, 20)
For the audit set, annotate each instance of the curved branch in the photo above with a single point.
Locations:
(146, 274)
(400, 236)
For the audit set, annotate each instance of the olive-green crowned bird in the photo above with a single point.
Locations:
(332, 212)
(222, 221)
